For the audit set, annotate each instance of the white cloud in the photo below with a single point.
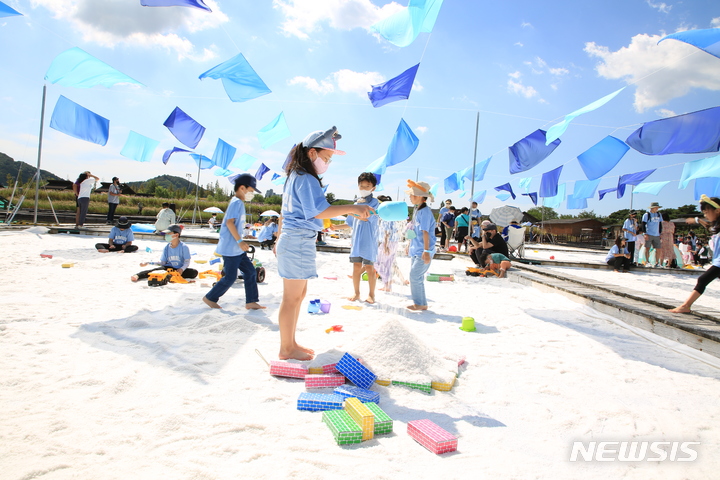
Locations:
(559, 71)
(515, 75)
(665, 113)
(522, 90)
(526, 25)
(343, 80)
(416, 87)
(421, 130)
(661, 7)
(518, 44)
(313, 85)
(303, 17)
(662, 72)
(715, 22)
(112, 22)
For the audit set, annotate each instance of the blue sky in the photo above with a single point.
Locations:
(522, 64)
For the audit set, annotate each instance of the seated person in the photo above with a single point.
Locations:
(505, 231)
(618, 256)
(490, 242)
(497, 262)
(165, 218)
(701, 253)
(212, 223)
(268, 233)
(175, 255)
(120, 239)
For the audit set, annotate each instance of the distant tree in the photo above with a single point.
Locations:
(330, 197)
(151, 186)
(566, 216)
(273, 200)
(546, 213)
(618, 217)
(162, 192)
(588, 214)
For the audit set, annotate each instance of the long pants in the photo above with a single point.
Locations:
(712, 273)
(83, 204)
(187, 273)
(115, 248)
(111, 212)
(460, 237)
(443, 236)
(631, 250)
(231, 265)
(418, 268)
(619, 263)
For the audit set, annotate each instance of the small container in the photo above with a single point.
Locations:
(314, 306)
(324, 306)
(468, 324)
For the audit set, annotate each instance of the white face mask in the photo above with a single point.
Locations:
(363, 193)
(248, 197)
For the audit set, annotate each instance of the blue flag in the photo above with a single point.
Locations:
(184, 128)
(175, 3)
(554, 202)
(240, 81)
(696, 132)
(602, 193)
(549, 182)
(709, 186)
(202, 161)
(525, 183)
(602, 157)
(502, 196)
(403, 144)
(533, 196)
(704, 167)
(558, 129)
(530, 151)
(77, 68)
(274, 131)
(139, 147)
(224, 153)
(244, 162)
(72, 119)
(574, 203)
(507, 188)
(479, 197)
(395, 89)
(631, 179)
(585, 188)
(166, 155)
(6, 11)
(403, 27)
(653, 188)
(222, 172)
(451, 183)
(707, 39)
(261, 172)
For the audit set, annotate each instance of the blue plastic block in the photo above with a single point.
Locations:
(362, 394)
(355, 371)
(315, 402)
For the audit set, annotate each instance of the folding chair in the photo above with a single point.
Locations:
(516, 242)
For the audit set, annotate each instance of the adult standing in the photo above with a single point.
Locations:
(85, 187)
(667, 245)
(630, 231)
(443, 234)
(165, 218)
(462, 227)
(652, 226)
(113, 199)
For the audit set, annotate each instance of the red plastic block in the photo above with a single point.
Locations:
(324, 381)
(287, 369)
(432, 437)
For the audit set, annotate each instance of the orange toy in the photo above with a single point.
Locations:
(210, 273)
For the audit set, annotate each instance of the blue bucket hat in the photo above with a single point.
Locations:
(327, 140)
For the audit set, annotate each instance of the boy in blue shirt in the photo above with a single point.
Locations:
(120, 239)
(364, 243)
(232, 248)
(175, 255)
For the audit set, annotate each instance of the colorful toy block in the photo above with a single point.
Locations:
(324, 381)
(355, 371)
(438, 277)
(342, 426)
(383, 382)
(316, 402)
(362, 394)
(280, 368)
(441, 386)
(432, 437)
(324, 370)
(362, 416)
(423, 387)
(383, 422)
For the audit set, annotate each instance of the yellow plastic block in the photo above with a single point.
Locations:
(200, 261)
(67, 265)
(315, 371)
(384, 383)
(362, 416)
(442, 387)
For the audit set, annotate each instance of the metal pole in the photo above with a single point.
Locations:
(472, 180)
(632, 190)
(37, 179)
(197, 192)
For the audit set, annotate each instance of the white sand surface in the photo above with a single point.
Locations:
(103, 378)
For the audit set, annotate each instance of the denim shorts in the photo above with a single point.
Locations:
(361, 260)
(296, 254)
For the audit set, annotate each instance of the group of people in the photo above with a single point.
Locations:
(453, 223)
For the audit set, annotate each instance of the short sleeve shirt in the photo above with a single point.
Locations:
(227, 245)
(303, 198)
(632, 227)
(115, 191)
(423, 221)
(121, 237)
(178, 257)
(365, 233)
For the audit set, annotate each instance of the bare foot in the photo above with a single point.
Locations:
(295, 355)
(304, 349)
(254, 306)
(370, 300)
(102, 250)
(386, 288)
(354, 298)
(417, 307)
(134, 278)
(679, 309)
(210, 303)
(406, 282)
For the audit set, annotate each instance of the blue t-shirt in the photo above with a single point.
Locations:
(652, 220)
(121, 237)
(227, 245)
(364, 242)
(632, 227)
(303, 198)
(178, 257)
(448, 218)
(442, 212)
(423, 221)
(463, 220)
(475, 213)
(614, 251)
(266, 232)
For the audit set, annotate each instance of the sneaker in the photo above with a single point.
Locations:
(321, 243)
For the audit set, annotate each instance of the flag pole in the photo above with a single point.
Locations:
(472, 180)
(197, 191)
(37, 177)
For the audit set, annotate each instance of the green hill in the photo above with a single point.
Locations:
(9, 170)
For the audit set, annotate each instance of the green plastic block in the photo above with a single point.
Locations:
(433, 278)
(423, 387)
(383, 423)
(342, 426)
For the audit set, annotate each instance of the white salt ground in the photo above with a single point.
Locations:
(107, 379)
